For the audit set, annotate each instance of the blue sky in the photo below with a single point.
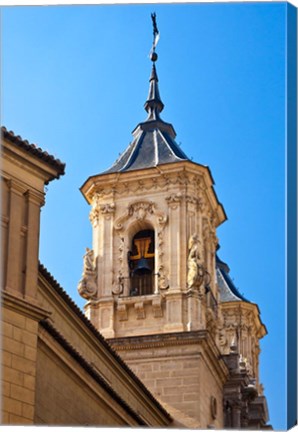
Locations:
(74, 81)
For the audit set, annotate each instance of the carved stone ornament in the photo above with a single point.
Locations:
(174, 200)
(93, 216)
(87, 286)
(140, 210)
(163, 282)
(191, 199)
(108, 208)
(118, 288)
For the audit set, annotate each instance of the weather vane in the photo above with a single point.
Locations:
(153, 54)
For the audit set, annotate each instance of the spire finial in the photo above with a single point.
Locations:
(153, 55)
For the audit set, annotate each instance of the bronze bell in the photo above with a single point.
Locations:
(142, 267)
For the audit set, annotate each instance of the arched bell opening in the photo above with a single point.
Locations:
(141, 261)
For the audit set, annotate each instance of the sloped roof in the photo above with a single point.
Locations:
(227, 290)
(91, 370)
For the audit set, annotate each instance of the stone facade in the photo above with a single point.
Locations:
(176, 201)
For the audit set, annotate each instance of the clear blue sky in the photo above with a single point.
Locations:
(74, 81)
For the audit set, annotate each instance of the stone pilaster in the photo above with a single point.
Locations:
(15, 261)
(34, 202)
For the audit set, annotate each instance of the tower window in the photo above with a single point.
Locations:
(141, 263)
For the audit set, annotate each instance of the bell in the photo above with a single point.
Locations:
(142, 267)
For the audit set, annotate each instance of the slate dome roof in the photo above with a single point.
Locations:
(227, 290)
(153, 141)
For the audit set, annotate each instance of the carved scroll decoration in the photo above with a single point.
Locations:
(140, 210)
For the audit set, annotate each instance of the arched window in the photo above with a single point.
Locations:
(141, 263)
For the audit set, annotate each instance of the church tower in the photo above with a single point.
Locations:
(155, 287)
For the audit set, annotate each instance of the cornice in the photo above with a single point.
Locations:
(186, 178)
(33, 149)
(36, 166)
(128, 343)
(161, 172)
(27, 307)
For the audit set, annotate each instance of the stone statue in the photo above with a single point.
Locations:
(196, 271)
(87, 286)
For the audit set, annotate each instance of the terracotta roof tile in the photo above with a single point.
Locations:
(95, 375)
(34, 150)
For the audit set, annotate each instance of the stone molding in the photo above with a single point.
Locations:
(157, 182)
(25, 307)
(128, 343)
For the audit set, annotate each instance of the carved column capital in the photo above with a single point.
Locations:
(174, 200)
(107, 209)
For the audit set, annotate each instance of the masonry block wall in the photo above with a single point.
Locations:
(19, 345)
(180, 372)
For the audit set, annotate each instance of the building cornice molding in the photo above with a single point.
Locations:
(27, 307)
(162, 177)
(38, 155)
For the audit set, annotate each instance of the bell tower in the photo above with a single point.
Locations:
(151, 279)
(154, 216)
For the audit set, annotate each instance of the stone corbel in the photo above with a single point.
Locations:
(157, 308)
(122, 312)
(140, 310)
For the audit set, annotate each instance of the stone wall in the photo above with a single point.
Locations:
(19, 348)
(67, 394)
(180, 371)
